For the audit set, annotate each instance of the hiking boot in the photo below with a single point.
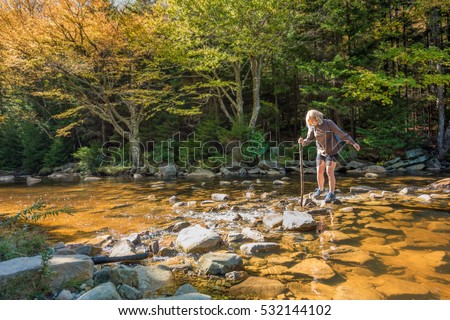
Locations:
(330, 197)
(318, 192)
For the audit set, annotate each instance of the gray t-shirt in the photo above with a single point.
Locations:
(325, 136)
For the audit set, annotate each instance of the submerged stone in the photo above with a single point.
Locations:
(257, 288)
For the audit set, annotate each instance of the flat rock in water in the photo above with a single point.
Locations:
(315, 268)
(252, 248)
(394, 288)
(349, 254)
(361, 189)
(257, 288)
(334, 236)
(356, 288)
(383, 227)
(379, 249)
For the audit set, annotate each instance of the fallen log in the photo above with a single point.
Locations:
(106, 259)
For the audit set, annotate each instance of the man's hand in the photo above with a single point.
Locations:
(357, 147)
(300, 140)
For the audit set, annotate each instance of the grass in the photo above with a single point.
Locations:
(20, 241)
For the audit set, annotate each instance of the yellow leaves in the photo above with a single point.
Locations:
(67, 130)
(76, 111)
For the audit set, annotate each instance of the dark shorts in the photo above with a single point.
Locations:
(327, 159)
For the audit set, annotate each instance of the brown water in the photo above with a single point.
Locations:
(408, 242)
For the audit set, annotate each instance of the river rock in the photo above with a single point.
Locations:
(354, 165)
(315, 268)
(102, 276)
(220, 197)
(434, 164)
(123, 247)
(32, 181)
(124, 275)
(219, 263)
(280, 183)
(441, 184)
(236, 276)
(64, 295)
(424, 198)
(383, 227)
(180, 226)
(379, 249)
(273, 221)
(185, 289)
(394, 288)
(197, 239)
(422, 238)
(7, 179)
(105, 291)
(129, 293)
(439, 226)
(361, 189)
(257, 288)
(298, 221)
(168, 171)
(201, 173)
(63, 177)
(253, 234)
(415, 167)
(153, 278)
(87, 250)
(349, 254)
(90, 179)
(252, 248)
(188, 296)
(236, 237)
(334, 236)
(356, 288)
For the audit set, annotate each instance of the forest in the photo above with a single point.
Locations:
(140, 83)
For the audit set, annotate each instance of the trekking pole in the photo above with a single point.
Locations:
(301, 174)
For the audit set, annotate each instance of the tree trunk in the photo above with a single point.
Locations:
(256, 68)
(135, 145)
(435, 28)
(237, 68)
(440, 145)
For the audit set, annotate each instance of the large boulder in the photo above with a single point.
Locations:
(64, 268)
(197, 239)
